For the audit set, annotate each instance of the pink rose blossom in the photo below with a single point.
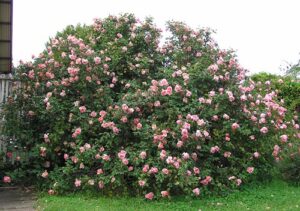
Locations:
(179, 144)
(154, 83)
(63, 93)
(256, 154)
(130, 168)
(82, 109)
(146, 168)
(76, 132)
(238, 182)
(66, 156)
(88, 78)
(176, 164)
(262, 121)
(163, 82)
(188, 93)
(185, 156)
(124, 49)
(43, 151)
(194, 156)
(157, 103)
(6, 179)
(74, 159)
(142, 183)
(149, 195)
(125, 161)
(164, 193)
(153, 170)
(101, 184)
(264, 130)
(93, 114)
(165, 171)
(178, 88)
(81, 149)
(169, 90)
(214, 149)
(163, 92)
(196, 170)
(198, 54)
(87, 146)
(225, 116)
(231, 178)
(46, 138)
(243, 98)
(143, 155)
(215, 118)
(253, 118)
(250, 170)
(51, 192)
(205, 133)
(124, 119)
(81, 166)
(105, 157)
(99, 171)
(122, 154)
(196, 191)
(206, 181)
(227, 137)
(283, 138)
(77, 183)
(97, 60)
(227, 154)
(45, 174)
(201, 100)
(235, 126)
(188, 173)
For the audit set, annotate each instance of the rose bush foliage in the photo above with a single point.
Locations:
(108, 107)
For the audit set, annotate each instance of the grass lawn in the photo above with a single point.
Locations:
(276, 195)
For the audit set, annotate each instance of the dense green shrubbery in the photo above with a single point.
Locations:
(108, 107)
(289, 166)
(288, 88)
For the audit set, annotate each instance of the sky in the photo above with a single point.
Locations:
(264, 33)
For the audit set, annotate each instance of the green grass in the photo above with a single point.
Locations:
(276, 195)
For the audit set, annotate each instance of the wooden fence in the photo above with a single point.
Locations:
(6, 86)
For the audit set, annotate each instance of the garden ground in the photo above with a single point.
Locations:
(277, 195)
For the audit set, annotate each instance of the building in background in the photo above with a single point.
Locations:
(6, 23)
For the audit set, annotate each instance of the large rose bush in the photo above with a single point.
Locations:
(108, 107)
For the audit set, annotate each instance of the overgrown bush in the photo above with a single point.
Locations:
(108, 107)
